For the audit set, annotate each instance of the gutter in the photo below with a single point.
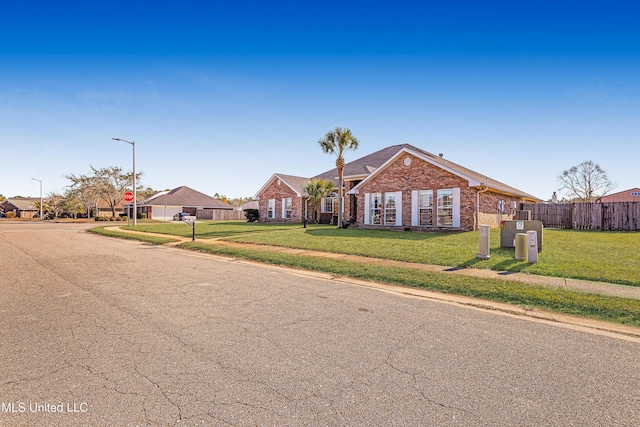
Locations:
(482, 190)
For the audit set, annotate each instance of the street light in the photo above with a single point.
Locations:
(40, 197)
(135, 199)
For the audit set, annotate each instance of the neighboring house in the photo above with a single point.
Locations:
(282, 199)
(632, 195)
(165, 204)
(399, 187)
(103, 209)
(253, 204)
(23, 207)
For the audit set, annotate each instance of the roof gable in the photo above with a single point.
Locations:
(23, 203)
(296, 183)
(185, 197)
(473, 178)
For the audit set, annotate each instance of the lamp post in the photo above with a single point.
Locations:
(135, 199)
(40, 181)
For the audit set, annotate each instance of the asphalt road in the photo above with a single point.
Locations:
(113, 332)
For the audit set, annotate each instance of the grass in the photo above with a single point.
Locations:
(590, 255)
(613, 309)
(210, 229)
(130, 236)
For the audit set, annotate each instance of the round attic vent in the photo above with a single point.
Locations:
(407, 161)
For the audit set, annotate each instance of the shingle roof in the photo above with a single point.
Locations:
(482, 179)
(365, 166)
(186, 197)
(24, 203)
(296, 183)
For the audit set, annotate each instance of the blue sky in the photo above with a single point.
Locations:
(220, 95)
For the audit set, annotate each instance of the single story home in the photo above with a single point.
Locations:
(165, 204)
(23, 207)
(631, 195)
(398, 187)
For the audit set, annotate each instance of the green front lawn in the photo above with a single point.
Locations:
(590, 255)
(210, 229)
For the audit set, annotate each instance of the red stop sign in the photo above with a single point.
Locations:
(128, 196)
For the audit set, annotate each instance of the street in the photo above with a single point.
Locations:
(99, 331)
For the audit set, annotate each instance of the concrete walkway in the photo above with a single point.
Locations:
(602, 288)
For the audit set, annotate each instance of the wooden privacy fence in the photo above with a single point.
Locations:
(614, 216)
(221, 214)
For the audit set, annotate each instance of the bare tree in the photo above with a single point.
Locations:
(108, 184)
(585, 182)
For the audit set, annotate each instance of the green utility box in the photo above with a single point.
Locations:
(509, 229)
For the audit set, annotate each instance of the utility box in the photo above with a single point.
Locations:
(532, 246)
(509, 229)
(521, 247)
(483, 242)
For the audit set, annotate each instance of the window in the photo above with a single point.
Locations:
(287, 207)
(445, 208)
(425, 206)
(375, 205)
(271, 208)
(330, 204)
(390, 208)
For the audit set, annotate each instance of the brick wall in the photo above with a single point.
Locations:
(421, 175)
(278, 192)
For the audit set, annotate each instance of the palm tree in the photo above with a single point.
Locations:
(336, 142)
(316, 189)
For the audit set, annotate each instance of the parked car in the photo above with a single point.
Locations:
(2, 214)
(47, 215)
(180, 216)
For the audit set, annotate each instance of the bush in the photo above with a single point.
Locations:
(124, 218)
(142, 215)
(11, 214)
(252, 215)
(118, 218)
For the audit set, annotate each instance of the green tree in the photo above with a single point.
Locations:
(337, 142)
(316, 189)
(54, 204)
(72, 204)
(2, 198)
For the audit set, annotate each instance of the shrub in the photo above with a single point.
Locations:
(124, 218)
(252, 215)
(11, 214)
(142, 215)
(112, 218)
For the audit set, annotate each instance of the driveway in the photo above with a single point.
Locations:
(114, 332)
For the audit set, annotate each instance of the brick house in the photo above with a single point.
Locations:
(165, 204)
(282, 199)
(23, 207)
(401, 187)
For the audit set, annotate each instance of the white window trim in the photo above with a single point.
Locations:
(367, 203)
(455, 208)
(415, 207)
(271, 208)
